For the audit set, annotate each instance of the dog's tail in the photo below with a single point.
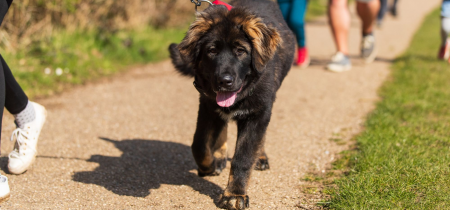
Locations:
(178, 62)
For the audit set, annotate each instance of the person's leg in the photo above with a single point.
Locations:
(445, 31)
(16, 101)
(382, 12)
(394, 8)
(395, 4)
(29, 118)
(2, 92)
(15, 98)
(285, 8)
(339, 19)
(297, 20)
(368, 11)
(4, 186)
(297, 24)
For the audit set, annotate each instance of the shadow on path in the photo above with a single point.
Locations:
(145, 165)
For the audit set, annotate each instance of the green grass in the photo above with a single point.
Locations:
(316, 8)
(403, 158)
(84, 56)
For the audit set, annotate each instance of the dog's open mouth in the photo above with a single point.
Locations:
(226, 98)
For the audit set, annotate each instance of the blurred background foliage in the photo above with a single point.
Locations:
(54, 44)
(31, 20)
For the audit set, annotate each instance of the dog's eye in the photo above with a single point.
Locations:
(212, 51)
(240, 51)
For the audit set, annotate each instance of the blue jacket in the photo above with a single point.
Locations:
(4, 6)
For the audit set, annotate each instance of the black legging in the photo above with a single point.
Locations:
(12, 96)
(4, 6)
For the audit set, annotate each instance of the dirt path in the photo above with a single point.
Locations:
(124, 144)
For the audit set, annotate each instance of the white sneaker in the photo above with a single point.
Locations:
(4, 189)
(339, 63)
(24, 152)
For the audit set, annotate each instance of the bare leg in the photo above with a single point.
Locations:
(368, 13)
(339, 18)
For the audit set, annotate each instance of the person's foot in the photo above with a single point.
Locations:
(444, 51)
(302, 57)
(368, 48)
(339, 63)
(24, 152)
(4, 189)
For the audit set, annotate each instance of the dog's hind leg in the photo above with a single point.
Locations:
(262, 163)
(209, 147)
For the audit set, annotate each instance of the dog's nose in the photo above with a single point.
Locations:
(226, 81)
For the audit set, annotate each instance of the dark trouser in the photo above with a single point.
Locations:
(294, 13)
(12, 96)
(384, 8)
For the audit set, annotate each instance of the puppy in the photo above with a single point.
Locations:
(239, 58)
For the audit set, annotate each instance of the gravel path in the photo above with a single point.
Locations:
(124, 143)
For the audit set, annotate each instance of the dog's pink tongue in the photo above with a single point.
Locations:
(225, 99)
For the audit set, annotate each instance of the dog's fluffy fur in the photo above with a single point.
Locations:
(251, 47)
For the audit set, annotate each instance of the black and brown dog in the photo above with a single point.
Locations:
(239, 59)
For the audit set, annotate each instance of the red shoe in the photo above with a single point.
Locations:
(302, 57)
(444, 52)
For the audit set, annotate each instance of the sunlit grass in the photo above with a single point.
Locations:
(403, 156)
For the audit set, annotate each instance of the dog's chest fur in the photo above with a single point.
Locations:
(235, 114)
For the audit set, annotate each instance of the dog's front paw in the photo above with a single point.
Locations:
(234, 202)
(215, 170)
(262, 164)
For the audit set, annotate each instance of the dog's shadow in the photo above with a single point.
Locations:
(145, 165)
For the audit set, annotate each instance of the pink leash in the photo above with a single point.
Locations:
(218, 2)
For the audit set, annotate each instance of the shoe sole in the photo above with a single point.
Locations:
(372, 56)
(5, 198)
(339, 68)
(25, 169)
(305, 64)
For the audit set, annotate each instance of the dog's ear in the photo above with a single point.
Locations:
(180, 65)
(265, 41)
(189, 49)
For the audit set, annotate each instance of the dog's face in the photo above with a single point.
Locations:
(228, 51)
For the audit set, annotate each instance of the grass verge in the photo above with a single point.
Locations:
(65, 59)
(402, 160)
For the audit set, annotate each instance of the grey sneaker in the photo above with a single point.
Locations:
(368, 48)
(339, 63)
